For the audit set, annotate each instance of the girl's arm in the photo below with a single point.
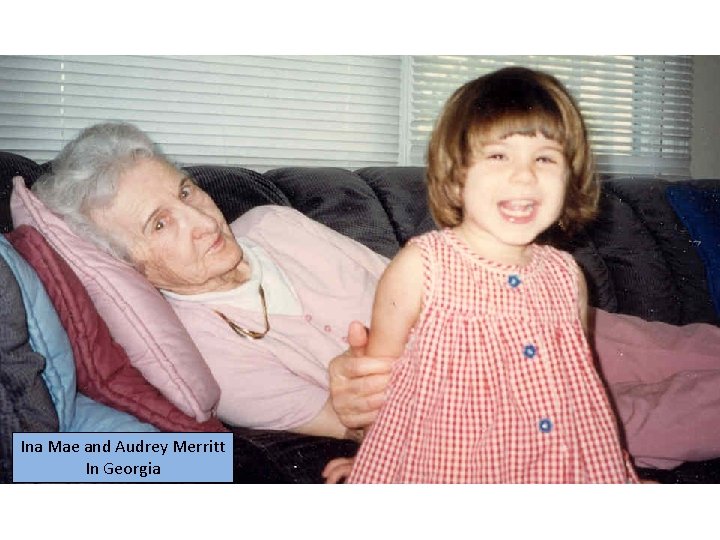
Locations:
(398, 300)
(397, 305)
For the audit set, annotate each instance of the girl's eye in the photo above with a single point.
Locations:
(546, 159)
(496, 156)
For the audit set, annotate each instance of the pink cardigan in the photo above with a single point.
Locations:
(280, 381)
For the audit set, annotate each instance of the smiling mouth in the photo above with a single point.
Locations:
(518, 211)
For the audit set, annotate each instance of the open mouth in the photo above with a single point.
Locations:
(518, 211)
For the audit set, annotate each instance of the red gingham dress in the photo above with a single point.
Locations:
(497, 382)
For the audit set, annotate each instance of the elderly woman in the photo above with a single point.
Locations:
(277, 303)
(285, 282)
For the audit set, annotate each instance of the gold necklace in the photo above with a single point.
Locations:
(244, 332)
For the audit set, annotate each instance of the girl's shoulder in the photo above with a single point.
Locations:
(555, 256)
(430, 238)
(557, 268)
(431, 245)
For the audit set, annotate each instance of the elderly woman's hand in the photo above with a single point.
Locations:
(358, 382)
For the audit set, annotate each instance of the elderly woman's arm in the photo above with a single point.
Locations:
(326, 424)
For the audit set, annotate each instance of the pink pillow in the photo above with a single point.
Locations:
(104, 371)
(138, 316)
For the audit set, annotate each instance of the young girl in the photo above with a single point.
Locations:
(495, 380)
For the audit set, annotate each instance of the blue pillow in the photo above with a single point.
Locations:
(91, 416)
(699, 211)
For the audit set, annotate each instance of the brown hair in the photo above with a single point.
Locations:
(510, 101)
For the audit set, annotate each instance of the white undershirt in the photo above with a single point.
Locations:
(280, 296)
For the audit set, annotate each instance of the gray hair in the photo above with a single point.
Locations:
(85, 173)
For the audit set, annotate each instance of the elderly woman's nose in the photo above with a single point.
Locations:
(200, 222)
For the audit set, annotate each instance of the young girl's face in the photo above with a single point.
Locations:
(514, 190)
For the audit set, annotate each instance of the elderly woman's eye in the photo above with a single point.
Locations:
(159, 225)
(185, 192)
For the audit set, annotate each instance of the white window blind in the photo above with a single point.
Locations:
(638, 109)
(255, 111)
(349, 111)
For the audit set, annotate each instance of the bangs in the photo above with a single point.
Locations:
(528, 122)
(514, 104)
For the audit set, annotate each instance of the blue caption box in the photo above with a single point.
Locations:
(122, 457)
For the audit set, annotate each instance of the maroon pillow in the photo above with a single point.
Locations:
(104, 371)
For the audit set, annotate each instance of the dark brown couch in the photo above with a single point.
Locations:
(638, 257)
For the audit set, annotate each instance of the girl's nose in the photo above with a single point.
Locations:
(524, 172)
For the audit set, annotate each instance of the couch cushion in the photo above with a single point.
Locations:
(699, 210)
(655, 271)
(138, 317)
(403, 194)
(236, 190)
(601, 290)
(268, 456)
(25, 403)
(12, 165)
(341, 200)
(104, 371)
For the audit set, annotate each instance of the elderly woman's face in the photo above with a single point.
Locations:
(172, 230)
